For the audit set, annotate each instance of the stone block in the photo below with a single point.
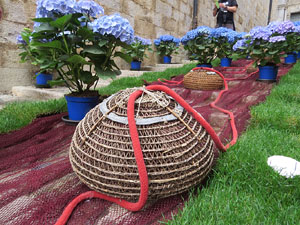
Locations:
(110, 6)
(14, 76)
(144, 22)
(163, 8)
(33, 93)
(136, 8)
(186, 8)
(169, 24)
(158, 20)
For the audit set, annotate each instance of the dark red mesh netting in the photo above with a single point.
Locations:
(37, 182)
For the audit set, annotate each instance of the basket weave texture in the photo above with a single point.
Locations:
(178, 151)
(203, 80)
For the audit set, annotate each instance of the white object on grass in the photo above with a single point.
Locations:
(285, 166)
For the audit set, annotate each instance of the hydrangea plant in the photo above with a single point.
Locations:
(200, 45)
(266, 45)
(224, 39)
(138, 48)
(33, 55)
(83, 45)
(289, 31)
(166, 45)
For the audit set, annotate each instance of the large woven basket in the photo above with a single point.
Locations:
(177, 150)
(203, 80)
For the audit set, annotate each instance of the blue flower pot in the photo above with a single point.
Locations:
(291, 58)
(167, 59)
(226, 62)
(136, 65)
(298, 55)
(268, 73)
(204, 65)
(42, 79)
(79, 106)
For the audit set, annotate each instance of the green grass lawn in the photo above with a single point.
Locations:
(17, 115)
(242, 189)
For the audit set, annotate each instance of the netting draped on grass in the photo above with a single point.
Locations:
(37, 181)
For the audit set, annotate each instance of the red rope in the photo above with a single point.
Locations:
(170, 82)
(138, 151)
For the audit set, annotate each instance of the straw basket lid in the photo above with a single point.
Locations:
(201, 79)
(177, 150)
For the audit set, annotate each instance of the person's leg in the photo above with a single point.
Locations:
(229, 26)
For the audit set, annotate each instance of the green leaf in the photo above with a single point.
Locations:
(102, 42)
(257, 51)
(200, 47)
(94, 49)
(42, 20)
(53, 44)
(77, 59)
(105, 74)
(215, 62)
(126, 57)
(273, 52)
(59, 82)
(87, 77)
(85, 33)
(44, 27)
(61, 22)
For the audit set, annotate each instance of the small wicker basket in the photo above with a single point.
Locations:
(177, 150)
(203, 80)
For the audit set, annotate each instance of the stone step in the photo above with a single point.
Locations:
(32, 93)
(8, 98)
(187, 61)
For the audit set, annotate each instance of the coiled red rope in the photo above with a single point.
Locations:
(138, 151)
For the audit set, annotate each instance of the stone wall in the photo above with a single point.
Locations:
(149, 18)
(16, 16)
(282, 9)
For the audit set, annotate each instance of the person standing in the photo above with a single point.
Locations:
(224, 11)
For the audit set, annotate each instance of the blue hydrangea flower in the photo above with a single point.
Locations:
(297, 23)
(204, 30)
(219, 32)
(156, 42)
(260, 33)
(277, 39)
(20, 40)
(48, 8)
(192, 34)
(166, 38)
(283, 27)
(89, 7)
(239, 44)
(272, 26)
(297, 29)
(240, 35)
(143, 41)
(176, 41)
(184, 40)
(114, 25)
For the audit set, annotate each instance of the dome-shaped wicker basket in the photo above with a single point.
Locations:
(177, 150)
(203, 80)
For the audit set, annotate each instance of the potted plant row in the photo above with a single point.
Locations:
(267, 45)
(36, 57)
(82, 46)
(137, 51)
(166, 45)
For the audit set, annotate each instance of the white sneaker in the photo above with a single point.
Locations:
(285, 166)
